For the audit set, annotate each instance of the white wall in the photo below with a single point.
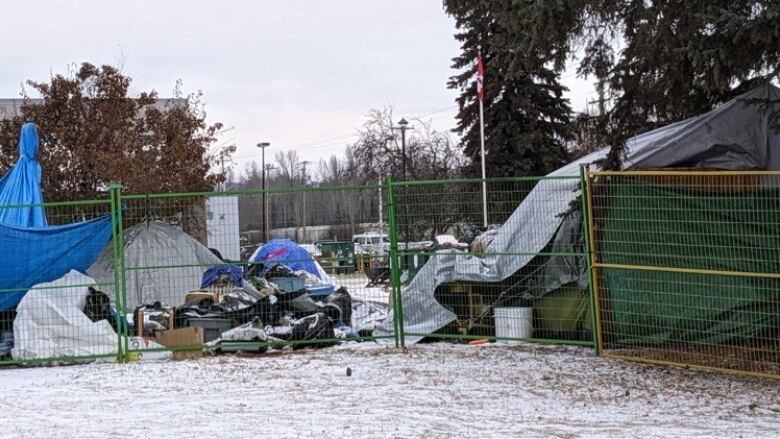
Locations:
(222, 225)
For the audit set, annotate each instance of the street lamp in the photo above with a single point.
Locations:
(403, 125)
(263, 169)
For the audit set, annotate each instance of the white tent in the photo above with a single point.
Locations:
(50, 322)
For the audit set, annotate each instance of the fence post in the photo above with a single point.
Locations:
(118, 253)
(590, 252)
(395, 267)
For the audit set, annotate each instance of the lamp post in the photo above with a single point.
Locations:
(263, 146)
(403, 125)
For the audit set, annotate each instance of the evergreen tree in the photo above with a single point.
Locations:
(677, 58)
(527, 119)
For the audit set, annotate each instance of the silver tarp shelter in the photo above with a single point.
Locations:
(738, 135)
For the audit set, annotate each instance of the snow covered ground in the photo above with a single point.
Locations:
(431, 391)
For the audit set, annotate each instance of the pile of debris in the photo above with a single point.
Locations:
(276, 299)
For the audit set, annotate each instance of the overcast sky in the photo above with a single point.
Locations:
(299, 74)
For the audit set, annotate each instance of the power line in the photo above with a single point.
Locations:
(307, 146)
(323, 143)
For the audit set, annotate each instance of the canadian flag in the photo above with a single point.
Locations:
(480, 77)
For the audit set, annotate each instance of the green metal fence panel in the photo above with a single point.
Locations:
(531, 286)
(65, 319)
(389, 236)
(395, 268)
(687, 267)
(117, 252)
(171, 240)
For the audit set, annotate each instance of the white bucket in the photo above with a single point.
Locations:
(513, 322)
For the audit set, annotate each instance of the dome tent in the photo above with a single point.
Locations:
(162, 263)
(286, 252)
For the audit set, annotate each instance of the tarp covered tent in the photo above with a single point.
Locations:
(32, 251)
(32, 255)
(162, 263)
(285, 252)
(737, 135)
(50, 322)
(712, 230)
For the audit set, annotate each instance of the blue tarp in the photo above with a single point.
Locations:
(30, 251)
(285, 252)
(211, 276)
(33, 255)
(21, 186)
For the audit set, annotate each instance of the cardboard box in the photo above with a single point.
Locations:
(190, 340)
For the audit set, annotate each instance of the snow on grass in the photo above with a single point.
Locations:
(432, 390)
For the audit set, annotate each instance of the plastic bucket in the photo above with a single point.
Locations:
(513, 322)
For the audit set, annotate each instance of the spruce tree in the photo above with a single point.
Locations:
(527, 119)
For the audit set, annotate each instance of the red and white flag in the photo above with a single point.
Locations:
(480, 77)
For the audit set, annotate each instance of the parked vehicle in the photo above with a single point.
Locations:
(371, 242)
(313, 250)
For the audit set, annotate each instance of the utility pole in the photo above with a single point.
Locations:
(303, 165)
(600, 89)
(263, 146)
(602, 100)
(266, 202)
(381, 216)
(226, 151)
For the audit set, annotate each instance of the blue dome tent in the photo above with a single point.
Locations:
(286, 252)
(33, 252)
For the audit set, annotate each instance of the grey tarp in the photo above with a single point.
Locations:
(162, 264)
(736, 135)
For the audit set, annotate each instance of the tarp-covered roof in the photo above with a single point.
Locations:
(738, 135)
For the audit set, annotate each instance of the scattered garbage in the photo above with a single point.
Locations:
(6, 343)
(482, 241)
(275, 301)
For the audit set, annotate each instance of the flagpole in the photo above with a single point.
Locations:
(481, 97)
(482, 147)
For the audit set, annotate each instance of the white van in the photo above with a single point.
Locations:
(371, 242)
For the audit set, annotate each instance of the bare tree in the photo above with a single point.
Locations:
(378, 152)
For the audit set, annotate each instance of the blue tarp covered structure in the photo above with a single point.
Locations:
(30, 251)
(213, 273)
(285, 252)
(33, 255)
(21, 186)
